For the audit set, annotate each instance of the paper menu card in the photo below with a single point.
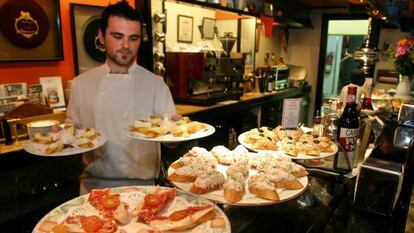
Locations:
(291, 112)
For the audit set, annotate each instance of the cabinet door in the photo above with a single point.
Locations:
(272, 114)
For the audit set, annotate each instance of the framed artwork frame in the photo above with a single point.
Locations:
(88, 52)
(268, 9)
(185, 29)
(30, 31)
(52, 90)
(208, 28)
(13, 89)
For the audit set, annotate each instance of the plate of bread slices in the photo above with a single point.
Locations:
(168, 129)
(238, 177)
(135, 209)
(64, 140)
(293, 143)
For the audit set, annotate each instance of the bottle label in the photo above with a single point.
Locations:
(348, 139)
(351, 97)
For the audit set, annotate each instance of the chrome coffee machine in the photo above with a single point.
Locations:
(205, 78)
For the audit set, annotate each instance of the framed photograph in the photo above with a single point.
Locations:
(88, 52)
(7, 104)
(268, 9)
(13, 89)
(30, 30)
(208, 28)
(35, 94)
(185, 29)
(53, 91)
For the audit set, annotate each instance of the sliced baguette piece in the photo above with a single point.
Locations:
(232, 195)
(207, 182)
(265, 193)
(199, 190)
(189, 221)
(181, 178)
(289, 184)
(262, 187)
(54, 148)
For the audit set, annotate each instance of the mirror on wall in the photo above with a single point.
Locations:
(193, 28)
(341, 33)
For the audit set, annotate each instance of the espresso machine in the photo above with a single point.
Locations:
(205, 78)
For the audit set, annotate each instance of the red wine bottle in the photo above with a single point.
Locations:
(348, 129)
(367, 101)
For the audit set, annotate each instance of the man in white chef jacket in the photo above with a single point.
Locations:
(110, 97)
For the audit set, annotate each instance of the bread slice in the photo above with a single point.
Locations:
(289, 184)
(262, 187)
(54, 148)
(265, 193)
(207, 182)
(204, 213)
(42, 138)
(181, 178)
(233, 195)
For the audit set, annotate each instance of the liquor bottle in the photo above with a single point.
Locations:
(317, 129)
(270, 82)
(366, 101)
(348, 129)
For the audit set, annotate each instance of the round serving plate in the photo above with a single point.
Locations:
(249, 199)
(132, 196)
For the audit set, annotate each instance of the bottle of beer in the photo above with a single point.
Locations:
(366, 101)
(348, 127)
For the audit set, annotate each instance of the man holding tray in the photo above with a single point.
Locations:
(110, 97)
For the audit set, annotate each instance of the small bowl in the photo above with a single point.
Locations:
(43, 126)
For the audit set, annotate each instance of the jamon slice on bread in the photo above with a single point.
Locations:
(184, 219)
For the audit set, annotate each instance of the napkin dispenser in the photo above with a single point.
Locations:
(406, 115)
(378, 186)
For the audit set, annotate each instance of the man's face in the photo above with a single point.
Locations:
(122, 39)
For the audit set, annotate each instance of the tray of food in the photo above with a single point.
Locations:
(238, 177)
(158, 129)
(64, 140)
(293, 143)
(135, 209)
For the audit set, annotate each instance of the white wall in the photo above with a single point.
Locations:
(174, 9)
(270, 44)
(389, 36)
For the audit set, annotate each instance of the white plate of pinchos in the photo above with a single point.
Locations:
(67, 141)
(293, 143)
(135, 209)
(157, 129)
(238, 177)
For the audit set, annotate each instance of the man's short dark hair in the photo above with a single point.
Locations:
(120, 9)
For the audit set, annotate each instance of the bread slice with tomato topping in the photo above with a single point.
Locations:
(184, 219)
(85, 224)
(110, 205)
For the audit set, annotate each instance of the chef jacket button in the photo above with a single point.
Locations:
(102, 93)
(124, 138)
(124, 115)
(126, 93)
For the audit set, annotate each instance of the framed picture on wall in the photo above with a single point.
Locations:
(35, 94)
(53, 91)
(13, 89)
(30, 30)
(185, 29)
(88, 52)
(208, 28)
